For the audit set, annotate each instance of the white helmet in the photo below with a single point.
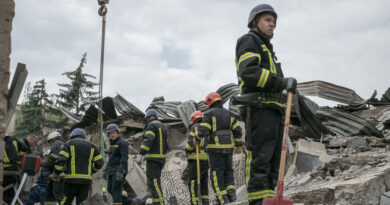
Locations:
(53, 135)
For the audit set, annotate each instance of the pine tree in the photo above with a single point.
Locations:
(37, 112)
(78, 94)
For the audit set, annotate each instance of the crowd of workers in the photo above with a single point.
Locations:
(213, 137)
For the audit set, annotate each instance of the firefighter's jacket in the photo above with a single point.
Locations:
(117, 156)
(154, 145)
(79, 160)
(190, 147)
(54, 154)
(14, 149)
(257, 70)
(222, 129)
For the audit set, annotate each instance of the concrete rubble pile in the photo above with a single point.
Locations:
(338, 155)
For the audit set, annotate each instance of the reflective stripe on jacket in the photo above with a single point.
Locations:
(190, 147)
(154, 145)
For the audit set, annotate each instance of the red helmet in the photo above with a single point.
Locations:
(212, 98)
(195, 115)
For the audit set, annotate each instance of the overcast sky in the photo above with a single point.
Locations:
(184, 49)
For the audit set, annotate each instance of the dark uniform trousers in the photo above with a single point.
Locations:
(153, 174)
(193, 183)
(115, 189)
(221, 173)
(80, 191)
(263, 153)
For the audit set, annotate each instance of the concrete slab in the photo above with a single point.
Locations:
(310, 155)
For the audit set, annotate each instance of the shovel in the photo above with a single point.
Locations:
(279, 199)
(198, 175)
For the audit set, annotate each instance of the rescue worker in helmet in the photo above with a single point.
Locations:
(154, 148)
(79, 159)
(116, 169)
(14, 149)
(260, 77)
(221, 128)
(54, 188)
(196, 119)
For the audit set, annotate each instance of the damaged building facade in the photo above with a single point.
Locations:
(337, 155)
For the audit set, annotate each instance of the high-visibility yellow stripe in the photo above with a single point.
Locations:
(241, 83)
(272, 102)
(205, 124)
(160, 196)
(216, 140)
(201, 143)
(217, 190)
(202, 155)
(248, 166)
(189, 148)
(205, 197)
(16, 145)
(193, 196)
(246, 56)
(78, 176)
(155, 155)
(64, 153)
(214, 119)
(6, 159)
(63, 200)
(271, 62)
(231, 121)
(220, 146)
(263, 78)
(72, 162)
(145, 147)
(192, 133)
(161, 141)
(235, 126)
(97, 157)
(149, 132)
(230, 187)
(59, 168)
(261, 194)
(115, 145)
(238, 139)
(90, 161)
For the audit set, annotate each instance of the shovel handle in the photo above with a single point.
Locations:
(284, 145)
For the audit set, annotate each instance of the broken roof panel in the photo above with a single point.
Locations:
(185, 111)
(125, 108)
(330, 92)
(228, 91)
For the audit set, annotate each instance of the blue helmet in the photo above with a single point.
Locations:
(151, 112)
(78, 132)
(112, 127)
(259, 9)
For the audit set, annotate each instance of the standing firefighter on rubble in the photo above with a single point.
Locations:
(79, 159)
(154, 147)
(221, 128)
(116, 169)
(261, 82)
(196, 119)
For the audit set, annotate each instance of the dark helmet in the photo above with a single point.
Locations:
(78, 132)
(259, 9)
(151, 112)
(195, 115)
(112, 127)
(211, 98)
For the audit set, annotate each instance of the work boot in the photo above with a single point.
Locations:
(205, 202)
(231, 194)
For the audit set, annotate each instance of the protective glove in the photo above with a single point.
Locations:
(238, 150)
(139, 159)
(290, 84)
(119, 176)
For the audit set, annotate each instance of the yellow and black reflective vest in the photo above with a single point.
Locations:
(79, 160)
(257, 70)
(154, 145)
(190, 147)
(222, 129)
(14, 149)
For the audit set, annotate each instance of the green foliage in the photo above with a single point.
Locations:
(37, 112)
(78, 94)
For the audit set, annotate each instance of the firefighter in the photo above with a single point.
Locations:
(79, 159)
(261, 81)
(54, 189)
(221, 127)
(196, 119)
(13, 151)
(116, 168)
(153, 148)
